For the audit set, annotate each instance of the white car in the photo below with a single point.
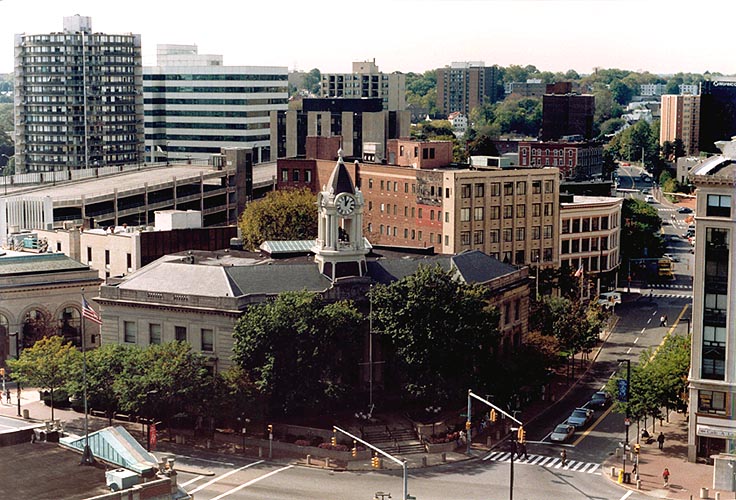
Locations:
(609, 299)
(673, 258)
(562, 433)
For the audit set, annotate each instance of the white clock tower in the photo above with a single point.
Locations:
(340, 249)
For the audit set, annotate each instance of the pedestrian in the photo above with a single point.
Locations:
(660, 440)
(522, 451)
(666, 476)
(665, 320)
(7, 396)
(661, 321)
(563, 457)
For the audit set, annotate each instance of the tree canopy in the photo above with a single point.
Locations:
(640, 231)
(443, 333)
(299, 351)
(289, 214)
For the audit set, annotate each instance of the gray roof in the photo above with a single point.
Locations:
(476, 267)
(178, 277)
(273, 279)
(38, 263)
(387, 271)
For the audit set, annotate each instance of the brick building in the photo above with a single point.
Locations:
(575, 159)
(680, 119)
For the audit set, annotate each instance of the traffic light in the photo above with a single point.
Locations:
(270, 428)
(494, 417)
(355, 448)
(521, 435)
(2, 372)
(333, 439)
(467, 425)
(376, 461)
(637, 448)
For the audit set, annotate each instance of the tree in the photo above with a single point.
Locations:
(281, 215)
(299, 351)
(312, 80)
(47, 364)
(640, 230)
(443, 334)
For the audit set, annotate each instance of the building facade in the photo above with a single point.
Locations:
(463, 86)
(712, 380)
(680, 119)
(78, 101)
(576, 159)
(590, 232)
(194, 105)
(567, 114)
(717, 112)
(650, 89)
(366, 81)
(533, 87)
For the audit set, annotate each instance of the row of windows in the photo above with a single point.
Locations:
(207, 138)
(295, 175)
(712, 402)
(587, 224)
(588, 263)
(509, 188)
(494, 212)
(222, 126)
(507, 235)
(206, 335)
(222, 114)
(214, 90)
(239, 77)
(216, 102)
(584, 245)
(412, 234)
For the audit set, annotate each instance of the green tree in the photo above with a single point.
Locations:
(281, 215)
(311, 81)
(299, 351)
(46, 365)
(640, 231)
(443, 334)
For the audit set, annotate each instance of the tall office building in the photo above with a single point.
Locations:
(567, 114)
(77, 99)
(463, 86)
(712, 382)
(717, 112)
(681, 120)
(367, 81)
(194, 105)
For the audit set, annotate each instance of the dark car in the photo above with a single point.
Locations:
(599, 400)
(684, 210)
(580, 417)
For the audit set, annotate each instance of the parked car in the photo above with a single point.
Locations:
(650, 199)
(599, 400)
(646, 191)
(562, 433)
(673, 258)
(609, 299)
(684, 210)
(580, 417)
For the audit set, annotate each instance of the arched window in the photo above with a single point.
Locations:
(36, 325)
(69, 325)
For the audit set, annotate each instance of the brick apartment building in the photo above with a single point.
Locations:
(680, 119)
(575, 158)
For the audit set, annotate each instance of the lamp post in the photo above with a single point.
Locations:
(243, 421)
(5, 170)
(17, 356)
(433, 411)
(627, 421)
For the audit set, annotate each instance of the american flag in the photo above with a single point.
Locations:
(579, 272)
(89, 313)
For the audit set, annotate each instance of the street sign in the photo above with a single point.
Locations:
(627, 422)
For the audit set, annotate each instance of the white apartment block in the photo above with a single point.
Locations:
(646, 89)
(367, 81)
(194, 105)
(712, 380)
(78, 101)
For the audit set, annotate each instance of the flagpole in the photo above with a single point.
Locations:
(87, 458)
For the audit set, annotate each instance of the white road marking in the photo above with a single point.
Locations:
(191, 481)
(252, 481)
(213, 481)
(627, 494)
(649, 321)
(643, 330)
(629, 351)
(636, 340)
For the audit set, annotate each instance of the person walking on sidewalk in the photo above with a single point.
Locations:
(521, 450)
(661, 321)
(666, 477)
(563, 457)
(7, 396)
(660, 440)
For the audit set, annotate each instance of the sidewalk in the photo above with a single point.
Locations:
(686, 478)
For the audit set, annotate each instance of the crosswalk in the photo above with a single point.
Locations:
(548, 462)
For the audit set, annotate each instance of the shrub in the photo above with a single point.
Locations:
(336, 447)
(61, 398)
(302, 442)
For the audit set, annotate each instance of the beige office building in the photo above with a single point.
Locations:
(367, 81)
(681, 120)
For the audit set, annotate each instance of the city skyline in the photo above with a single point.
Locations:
(407, 35)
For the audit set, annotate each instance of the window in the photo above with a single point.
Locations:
(586, 224)
(478, 213)
(154, 333)
(465, 238)
(180, 333)
(520, 211)
(521, 187)
(565, 247)
(406, 211)
(594, 244)
(295, 176)
(208, 339)
(464, 214)
(406, 187)
(520, 234)
(493, 236)
(547, 255)
(575, 248)
(406, 233)
(396, 186)
(465, 190)
(480, 190)
(382, 185)
(495, 213)
(447, 216)
(547, 232)
(718, 205)
(536, 232)
(575, 225)
(594, 224)
(604, 243)
(519, 257)
(604, 223)
(431, 215)
(370, 227)
(380, 229)
(495, 189)
(585, 245)
(129, 262)
(107, 257)
(536, 209)
(478, 237)
(536, 187)
(712, 402)
(508, 211)
(447, 192)
(447, 239)
(308, 176)
(285, 175)
(420, 212)
(370, 183)
(89, 254)
(383, 207)
(508, 188)
(130, 332)
(565, 226)
(508, 235)
(548, 208)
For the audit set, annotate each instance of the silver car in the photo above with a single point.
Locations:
(562, 433)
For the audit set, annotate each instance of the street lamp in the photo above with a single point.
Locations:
(627, 421)
(17, 356)
(243, 421)
(433, 411)
(5, 171)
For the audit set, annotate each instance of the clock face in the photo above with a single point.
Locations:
(345, 204)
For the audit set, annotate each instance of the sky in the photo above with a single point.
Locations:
(659, 36)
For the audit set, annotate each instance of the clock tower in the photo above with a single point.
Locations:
(340, 249)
